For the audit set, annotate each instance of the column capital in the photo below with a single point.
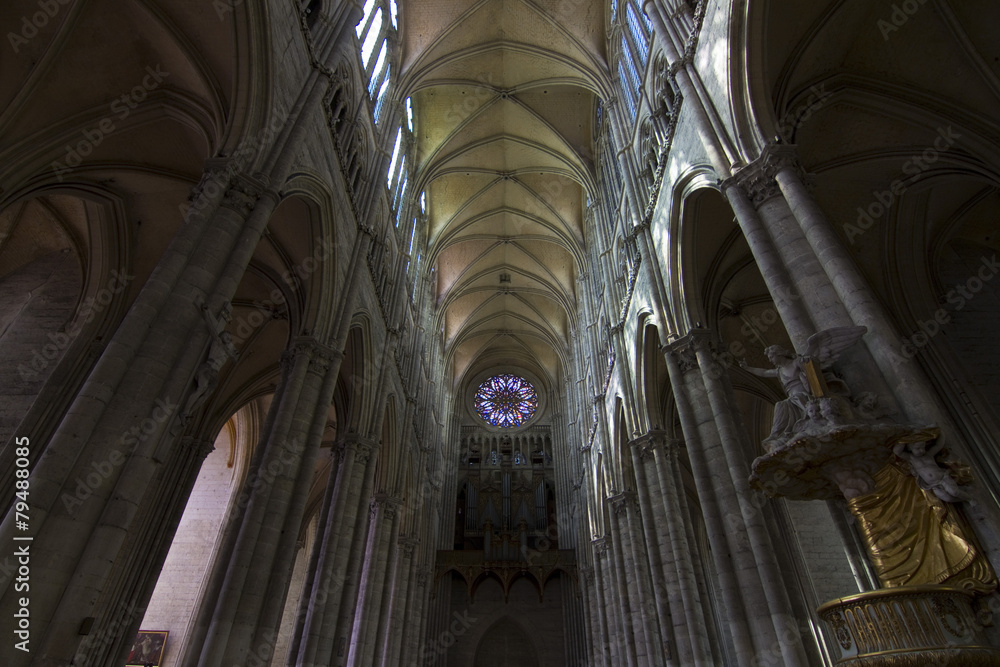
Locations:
(682, 352)
(199, 447)
(622, 502)
(408, 545)
(757, 179)
(601, 545)
(656, 440)
(360, 446)
(320, 356)
(641, 447)
(388, 504)
(243, 193)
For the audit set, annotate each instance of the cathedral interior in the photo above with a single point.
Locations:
(487, 333)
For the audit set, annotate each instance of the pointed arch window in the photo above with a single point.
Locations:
(633, 53)
(398, 176)
(371, 37)
(374, 33)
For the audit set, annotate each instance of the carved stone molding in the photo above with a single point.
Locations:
(388, 504)
(200, 448)
(643, 446)
(218, 172)
(908, 626)
(242, 195)
(408, 545)
(685, 356)
(757, 179)
(362, 447)
(669, 447)
(363, 452)
(601, 546)
(622, 503)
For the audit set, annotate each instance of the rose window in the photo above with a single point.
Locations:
(506, 401)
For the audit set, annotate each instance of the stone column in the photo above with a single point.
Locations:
(399, 594)
(420, 603)
(212, 588)
(654, 275)
(632, 638)
(149, 548)
(311, 583)
(334, 541)
(735, 445)
(328, 363)
(728, 584)
(118, 425)
(595, 645)
(804, 269)
(668, 486)
(608, 608)
(786, 295)
(712, 137)
(380, 553)
(258, 567)
(641, 611)
(649, 495)
(347, 615)
(916, 398)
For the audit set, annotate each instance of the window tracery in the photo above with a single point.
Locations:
(506, 400)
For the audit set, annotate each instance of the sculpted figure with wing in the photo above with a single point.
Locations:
(802, 377)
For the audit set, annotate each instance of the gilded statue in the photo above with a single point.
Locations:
(915, 538)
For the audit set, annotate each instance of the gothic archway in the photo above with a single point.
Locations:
(506, 644)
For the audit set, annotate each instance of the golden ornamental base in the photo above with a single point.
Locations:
(908, 625)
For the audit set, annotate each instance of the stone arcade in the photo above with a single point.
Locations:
(499, 332)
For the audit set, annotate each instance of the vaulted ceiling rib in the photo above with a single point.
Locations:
(505, 92)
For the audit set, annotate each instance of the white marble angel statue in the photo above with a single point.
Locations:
(931, 476)
(801, 376)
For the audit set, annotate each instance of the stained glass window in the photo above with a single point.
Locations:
(506, 401)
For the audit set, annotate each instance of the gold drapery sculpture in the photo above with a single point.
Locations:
(914, 538)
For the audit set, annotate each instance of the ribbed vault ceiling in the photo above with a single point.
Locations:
(504, 92)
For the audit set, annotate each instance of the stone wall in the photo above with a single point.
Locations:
(36, 302)
(470, 625)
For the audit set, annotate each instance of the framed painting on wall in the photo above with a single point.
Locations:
(148, 649)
